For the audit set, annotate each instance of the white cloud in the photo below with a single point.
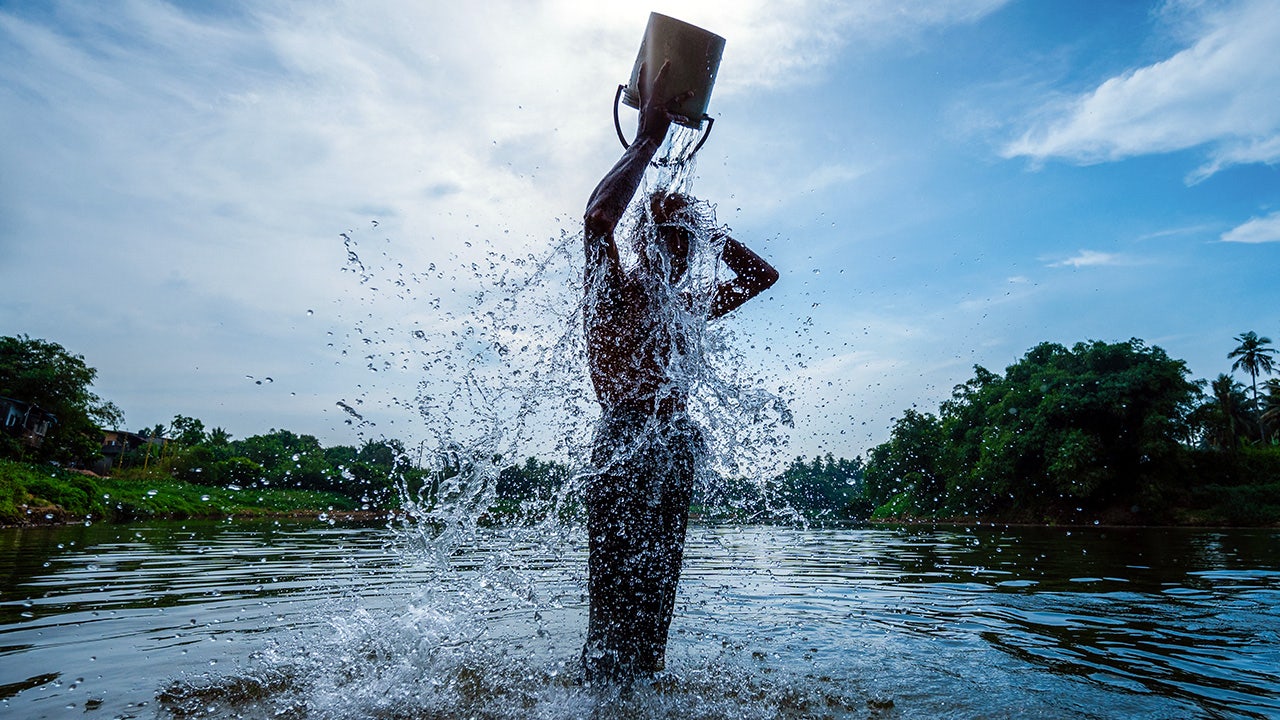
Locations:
(1177, 232)
(1219, 92)
(771, 43)
(1256, 230)
(1088, 258)
(182, 177)
(832, 174)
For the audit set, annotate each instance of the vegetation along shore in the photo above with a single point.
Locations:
(1098, 433)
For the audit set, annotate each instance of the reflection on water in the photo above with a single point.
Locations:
(297, 620)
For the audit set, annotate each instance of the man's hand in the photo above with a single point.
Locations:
(609, 200)
(655, 114)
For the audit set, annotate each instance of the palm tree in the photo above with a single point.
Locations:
(154, 435)
(1271, 404)
(1255, 357)
(1224, 414)
(219, 437)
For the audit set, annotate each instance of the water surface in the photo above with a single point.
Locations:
(310, 620)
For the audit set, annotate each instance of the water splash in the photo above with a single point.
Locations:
(425, 667)
(469, 643)
(484, 351)
(495, 341)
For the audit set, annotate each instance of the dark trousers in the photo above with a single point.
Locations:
(637, 513)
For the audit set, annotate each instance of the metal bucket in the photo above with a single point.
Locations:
(694, 54)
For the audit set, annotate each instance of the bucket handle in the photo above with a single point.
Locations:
(617, 125)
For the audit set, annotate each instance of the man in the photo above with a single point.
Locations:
(640, 326)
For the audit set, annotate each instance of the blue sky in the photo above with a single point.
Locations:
(941, 184)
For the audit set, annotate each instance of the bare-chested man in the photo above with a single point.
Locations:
(646, 447)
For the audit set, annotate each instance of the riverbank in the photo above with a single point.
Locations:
(32, 494)
(42, 495)
(1208, 505)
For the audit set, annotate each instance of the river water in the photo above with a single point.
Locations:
(316, 620)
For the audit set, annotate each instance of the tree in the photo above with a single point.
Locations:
(374, 469)
(157, 432)
(904, 472)
(290, 460)
(188, 431)
(1100, 424)
(534, 479)
(1224, 416)
(1271, 406)
(45, 374)
(1255, 357)
(826, 489)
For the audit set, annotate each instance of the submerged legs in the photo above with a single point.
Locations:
(637, 513)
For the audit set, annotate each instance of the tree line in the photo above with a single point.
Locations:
(41, 379)
(1116, 432)
(45, 375)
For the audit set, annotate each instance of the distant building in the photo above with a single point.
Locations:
(25, 421)
(115, 442)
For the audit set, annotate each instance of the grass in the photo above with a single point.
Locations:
(41, 493)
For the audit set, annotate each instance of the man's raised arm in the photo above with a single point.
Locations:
(609, 200)
(753, 273)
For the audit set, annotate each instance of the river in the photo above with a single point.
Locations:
(318, 620)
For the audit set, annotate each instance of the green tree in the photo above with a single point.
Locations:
(533, 479)
(385, 454)
(904, 473)
(290, 460)
(154, 449)
(1253, 355)
(188, 431)
(1271, 407)
(219, 437)
(1095, 425)
(1224, 417)
(342, 457)
(374, 470)
(828, 488)
(47, 375)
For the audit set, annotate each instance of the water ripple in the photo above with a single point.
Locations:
(307, 621)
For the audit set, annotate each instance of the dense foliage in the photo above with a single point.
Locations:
(824, 490)
(1116, 431)
(277, 459)
(1109, 431)
(40, 493)
(46, 375)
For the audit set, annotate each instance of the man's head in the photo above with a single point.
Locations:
(673, 223)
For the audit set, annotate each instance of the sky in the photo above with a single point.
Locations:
(940, 184)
